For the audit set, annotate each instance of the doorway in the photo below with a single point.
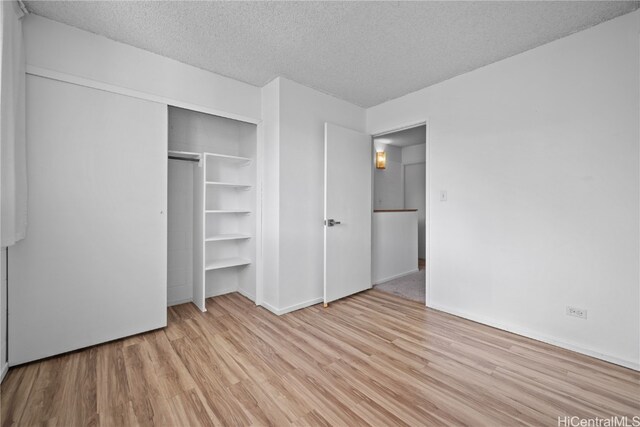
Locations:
(400, 217)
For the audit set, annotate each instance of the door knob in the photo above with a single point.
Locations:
(331, 222)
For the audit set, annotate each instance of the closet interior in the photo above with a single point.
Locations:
(212, 204)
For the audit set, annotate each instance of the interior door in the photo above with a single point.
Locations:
(93, 266)
(347, 212)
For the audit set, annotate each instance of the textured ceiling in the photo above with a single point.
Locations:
(404, 138)
(363, 52)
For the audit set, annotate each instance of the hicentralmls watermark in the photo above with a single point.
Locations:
(615, 421)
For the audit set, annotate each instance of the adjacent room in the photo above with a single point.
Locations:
(270, 213)
(399, 212)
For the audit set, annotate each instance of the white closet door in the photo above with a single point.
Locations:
(93, 265)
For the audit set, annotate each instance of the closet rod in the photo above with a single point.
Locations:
(182, 158)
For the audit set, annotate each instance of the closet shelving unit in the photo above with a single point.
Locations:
(213, 206)
(209, 231)
(226, 212)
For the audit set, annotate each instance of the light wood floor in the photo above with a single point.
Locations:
(370, 359)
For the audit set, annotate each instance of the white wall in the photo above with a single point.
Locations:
(395, 245)
(303, 112)
(539, 155)
(295, 140)
(415, 169)
(414, 154)
(271, 198)
(180, 232)
(415, 191)
(59, 48)
(387, 183)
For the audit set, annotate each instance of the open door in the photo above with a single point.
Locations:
(347, 212)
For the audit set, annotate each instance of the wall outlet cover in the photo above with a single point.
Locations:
(577, 312)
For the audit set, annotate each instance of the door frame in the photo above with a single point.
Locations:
(427, 212)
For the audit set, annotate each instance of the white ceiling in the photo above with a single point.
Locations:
(404, 138)
(363, 52)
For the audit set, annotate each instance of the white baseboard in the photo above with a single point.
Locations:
(184, 301)
(285, 310)
(221, 292)
(179, 294)
(247, 295)
(3, 372)
(538, 337)
(386, 279)
(270, 307)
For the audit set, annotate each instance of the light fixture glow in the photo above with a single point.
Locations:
(381, 160)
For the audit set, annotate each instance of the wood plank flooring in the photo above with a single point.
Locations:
(371, 359)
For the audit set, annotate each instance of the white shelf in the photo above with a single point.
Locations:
(221, 237)
(228, 158)
(225, 263)
(226, 211)
(228, 184)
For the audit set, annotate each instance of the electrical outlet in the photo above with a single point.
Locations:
(577, 312)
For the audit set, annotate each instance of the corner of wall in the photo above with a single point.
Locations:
(270, 105)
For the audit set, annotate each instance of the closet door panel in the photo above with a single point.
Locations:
(93, 265)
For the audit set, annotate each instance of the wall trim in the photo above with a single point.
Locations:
(398, 128)
(395, 276)
(4, 371)
(537, 336)
(220, 292)
(247, 295)
(179, 294)
(294, 307)
(260, 149)
(180, 301)
(215, 294)
(269, 307)
(107, 87)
